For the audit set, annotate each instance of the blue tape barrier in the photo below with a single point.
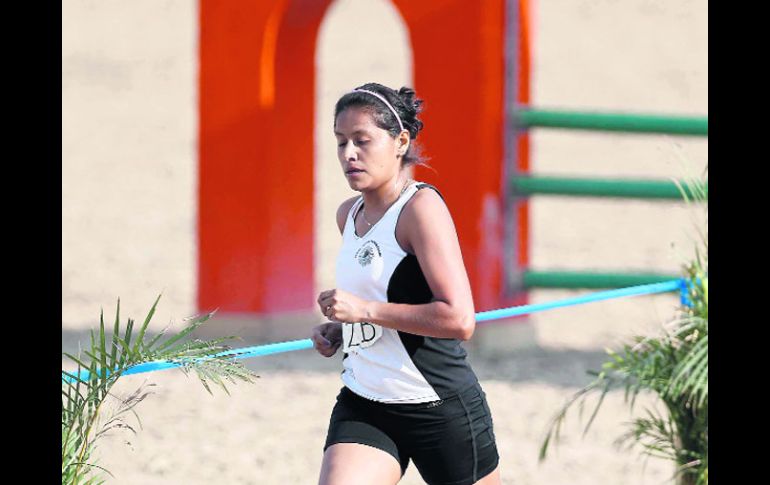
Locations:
(688, 285)
(664, 287)
(275, 348)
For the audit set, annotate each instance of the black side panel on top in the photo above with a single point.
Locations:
(440, 360)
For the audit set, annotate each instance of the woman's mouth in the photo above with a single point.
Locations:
(353, 171)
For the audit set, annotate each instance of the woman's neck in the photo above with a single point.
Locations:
(378, 200)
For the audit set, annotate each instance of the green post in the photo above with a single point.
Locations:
(595, 187)
(590, 280)
(623, 122)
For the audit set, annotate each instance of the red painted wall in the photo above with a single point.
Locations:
(256, 113)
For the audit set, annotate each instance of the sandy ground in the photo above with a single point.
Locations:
(128, 212)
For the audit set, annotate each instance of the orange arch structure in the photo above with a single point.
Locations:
(256, 115)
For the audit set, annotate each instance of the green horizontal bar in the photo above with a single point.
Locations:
(591, 280)
(595, 187)
(626, 122)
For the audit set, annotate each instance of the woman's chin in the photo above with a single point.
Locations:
(356, 184)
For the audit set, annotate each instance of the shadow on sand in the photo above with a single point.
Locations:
(559, 367)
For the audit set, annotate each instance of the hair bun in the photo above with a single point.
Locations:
(412, 107)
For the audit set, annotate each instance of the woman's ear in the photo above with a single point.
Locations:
(402, 142)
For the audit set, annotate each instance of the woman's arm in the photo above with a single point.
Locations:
(426, 230)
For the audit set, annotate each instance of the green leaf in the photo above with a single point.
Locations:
(74, 359)
(691, 372)
(115, 337)
(195, 323)
(596, 409)
(74, 377)
(102, 349)
(140, 338)
(126, 343)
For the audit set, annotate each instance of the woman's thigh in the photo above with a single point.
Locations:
(357, 464)
(492, 479)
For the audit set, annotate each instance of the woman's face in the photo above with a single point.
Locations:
(367, 153)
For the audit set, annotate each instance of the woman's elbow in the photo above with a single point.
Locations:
(467, 325)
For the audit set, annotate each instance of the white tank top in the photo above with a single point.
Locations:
(384, 364)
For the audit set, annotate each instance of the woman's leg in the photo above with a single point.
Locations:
(491, 479)
(357, 464)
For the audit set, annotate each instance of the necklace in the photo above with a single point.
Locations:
(363, 210)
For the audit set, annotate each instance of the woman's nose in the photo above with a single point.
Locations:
(350, 152)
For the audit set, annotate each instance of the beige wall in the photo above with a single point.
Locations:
(129, 121)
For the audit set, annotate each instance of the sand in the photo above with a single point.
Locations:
(128, 213)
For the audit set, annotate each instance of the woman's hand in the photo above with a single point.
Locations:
(340, 306)
(327, 338)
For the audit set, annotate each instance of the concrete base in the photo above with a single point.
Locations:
(500, 337)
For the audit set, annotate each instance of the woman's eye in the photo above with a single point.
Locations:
(357, 142)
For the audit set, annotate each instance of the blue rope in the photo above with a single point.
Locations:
(275, 348)
(687, 285)
(672, 285)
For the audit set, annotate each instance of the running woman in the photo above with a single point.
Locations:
(401, 308)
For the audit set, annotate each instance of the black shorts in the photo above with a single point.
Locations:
(450, 441)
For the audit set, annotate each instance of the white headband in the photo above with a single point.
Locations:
(384, 101)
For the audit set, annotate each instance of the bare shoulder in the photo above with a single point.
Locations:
(342, 212)
(425, 213)
(424, 204)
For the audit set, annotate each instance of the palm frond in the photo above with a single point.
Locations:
(84, 397)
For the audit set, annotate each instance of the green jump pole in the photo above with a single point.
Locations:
(624, 122)
(594, 187)
(590, 280)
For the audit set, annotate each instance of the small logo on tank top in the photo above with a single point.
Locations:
(369, 257)
(366, 253)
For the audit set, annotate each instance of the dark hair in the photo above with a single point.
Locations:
(403, 101)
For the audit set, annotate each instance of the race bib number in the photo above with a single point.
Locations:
(359, 335)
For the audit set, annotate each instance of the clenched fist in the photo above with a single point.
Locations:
(341, 306)
(327, 338)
